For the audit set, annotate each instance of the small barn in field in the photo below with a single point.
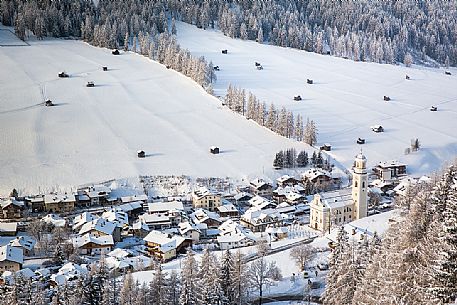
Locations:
(214, 150)
(141, 154)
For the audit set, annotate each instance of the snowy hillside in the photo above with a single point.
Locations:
(93, 134)
(345, 99)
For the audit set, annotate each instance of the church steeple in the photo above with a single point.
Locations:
(360, 186)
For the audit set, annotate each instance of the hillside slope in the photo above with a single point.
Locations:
(345, 99)
(93, 134)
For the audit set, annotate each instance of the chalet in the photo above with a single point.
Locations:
(377, 128)
(203, 198)
(160, 246)
(156, 221)
(317, 176)
(261, 188)
(277, 233)
(233, 235)
(94, 195)
(292, 195)
(59, 203)
(214, 150)
(261, 203)
(11, 258)
(36, 203)
(140, 229)
(82, 219)
(132, 209)
(210, 219)
(242, 198)
(259, 220)
(141, 154)
(228, 210)
(127, 199)
(101, 227)
(286, 180)
(391, 170)
(173, 210)
(68, 273)
(116, 216)
(55, 220)
(297, 98)
(11, 208)
(26, 243)
(115, 52)
(189, 231)
(8, 228)
(90, 244)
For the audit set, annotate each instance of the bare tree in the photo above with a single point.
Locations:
(302, 254)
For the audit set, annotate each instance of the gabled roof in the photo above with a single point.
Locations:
(231, 231)
(130, 206)
(203, 192)
(314, 173)
(161, 207)
(154, 218)
(67, 272)
(258, 183)
(83, 218)
(140, 225)
(227, 208)
(336, 199)
(8, 227)
(284, 178)
(100, 225)
(133, 198)
(117, 216)
(201, 215)
(253, 216)
(186, 226)
(260, 203)
(12, 254)
(59, 198)
(165, 243)
(392, 163)
(242, 195)
(25, 242)
(105, 240)
(11, 201)
(54, 220)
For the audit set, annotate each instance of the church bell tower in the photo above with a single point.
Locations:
(360, 187)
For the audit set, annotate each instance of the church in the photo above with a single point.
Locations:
(335, 208)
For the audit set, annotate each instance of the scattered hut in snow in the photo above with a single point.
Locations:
(214, 150)
(141, 154)
(115, 52)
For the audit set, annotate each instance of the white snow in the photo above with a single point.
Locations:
(92, 134)
(345, 99)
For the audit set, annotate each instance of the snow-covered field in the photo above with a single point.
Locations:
(345, 99)
(93, 134)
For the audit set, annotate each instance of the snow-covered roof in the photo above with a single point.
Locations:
(242, 195)
(154, 218)
(130, 206)
(8, 227)
(256, 216)
(260, 203)
(203, 192)
(25, 242)
(201, 215)
(54, 219)
(127, 199)
(392, 163)
(284, 178)
(105, 240)
(58, 198)
(337, 199)
(258, 183)
(314, 173)
(68, 272)
(83, 218)
(231, 231)
(11, 201)
(165, 243)
(12, 254)
(120, 253)
(140, 225)
(117, 216)
(186, 226)
(227, 208)
(100, 225)
(160, 207)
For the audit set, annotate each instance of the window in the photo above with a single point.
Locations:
(363, 183)
(355, 183)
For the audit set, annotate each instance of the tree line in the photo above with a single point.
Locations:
(416, 262)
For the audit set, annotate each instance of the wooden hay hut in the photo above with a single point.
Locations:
(377, 128)
(141, 154)
(257, 64)
(447, 72)
(115, 52)
(214, 150)
(309, 81)
(224, 52)
(386, 98)
(216, 68)
(63, 74)
(297, 98)
(326, 147)
(433, 108)
(90, 84)
(105, 68)
(407, 76)
(259, 67)
(360, 141)
(48, 103)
